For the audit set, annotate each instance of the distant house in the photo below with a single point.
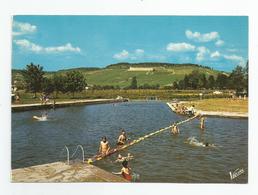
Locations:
(147, 69)
(217, 92)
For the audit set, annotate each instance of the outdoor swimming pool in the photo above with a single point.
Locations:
(161, 158)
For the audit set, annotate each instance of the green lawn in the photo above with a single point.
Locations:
(221, 104)
(123, 77)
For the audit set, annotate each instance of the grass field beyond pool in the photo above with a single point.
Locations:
(221, 104)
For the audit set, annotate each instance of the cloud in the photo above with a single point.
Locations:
(63, 48)
(180, 47)
(29, 46)
(202, 52)
(219, 43)
(198, 37)
(232, 50)
(124, 54)
(21, 28)
(215, 54)
(139, 51)
(235, 58)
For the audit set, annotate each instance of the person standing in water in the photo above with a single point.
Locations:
(175, 129)
(104, 146)
(202, 121)
(126, 171)
(122, 138)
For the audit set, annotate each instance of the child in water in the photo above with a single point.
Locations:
(121, 158)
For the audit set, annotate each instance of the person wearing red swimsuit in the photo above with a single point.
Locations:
(126, 172)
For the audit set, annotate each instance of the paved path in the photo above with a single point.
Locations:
(61, 172)
(23, 107)
(223, 114)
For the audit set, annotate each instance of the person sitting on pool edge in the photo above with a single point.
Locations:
(122, 138)
(104, 146)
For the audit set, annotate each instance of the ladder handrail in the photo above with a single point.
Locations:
(68, 154)
(79, 146)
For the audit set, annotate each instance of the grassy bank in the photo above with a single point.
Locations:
(136, 94)
(221, 104)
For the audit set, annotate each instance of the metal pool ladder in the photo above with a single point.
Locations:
(68, 153)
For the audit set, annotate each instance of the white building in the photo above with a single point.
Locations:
(217, 92)
(147, 69)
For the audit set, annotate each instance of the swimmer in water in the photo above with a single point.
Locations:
(175, 129)
(209, 145)
(202, 121)
(127, 173)
(121, 158)
(104, 146)
(43, 117)
(194, 142)
(129, 157)
(122, 138)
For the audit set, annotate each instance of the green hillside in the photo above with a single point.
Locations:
(119, 74)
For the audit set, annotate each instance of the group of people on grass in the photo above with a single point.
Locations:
(182, 109)
(44, 99)
(126, 171)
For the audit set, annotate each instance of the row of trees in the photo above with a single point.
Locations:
(237, 80)
(36, 81)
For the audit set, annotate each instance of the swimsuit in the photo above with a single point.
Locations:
(127, 176)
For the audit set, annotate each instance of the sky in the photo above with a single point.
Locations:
(63, 42)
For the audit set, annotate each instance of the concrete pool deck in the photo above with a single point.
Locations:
(62, 172)
(213, 113)
(37, 106)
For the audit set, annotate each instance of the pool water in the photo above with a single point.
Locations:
(160, 158)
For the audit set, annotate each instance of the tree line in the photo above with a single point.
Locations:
(236, 80)
(36, 81)
(153, 64)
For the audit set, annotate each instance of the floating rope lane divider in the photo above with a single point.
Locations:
(114, 150)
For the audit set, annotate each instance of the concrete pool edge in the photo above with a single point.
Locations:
(38, 106)
(63, 173)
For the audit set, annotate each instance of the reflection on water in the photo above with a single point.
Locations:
(161, 158)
